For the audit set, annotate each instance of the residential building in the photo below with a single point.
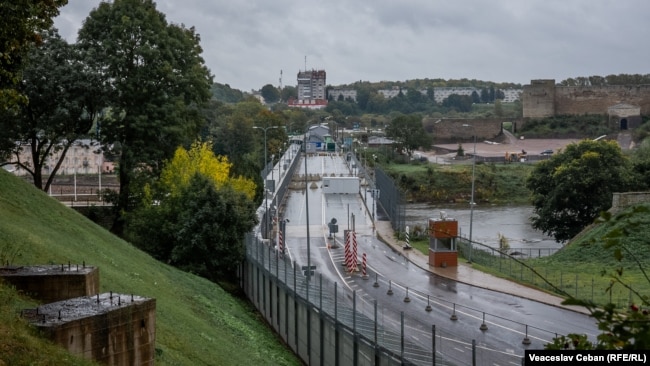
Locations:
(334, 94)
(311, 90)
(442, 93)
(390, 93)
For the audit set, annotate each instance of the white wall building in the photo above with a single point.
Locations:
(334, 94)
(84, 157)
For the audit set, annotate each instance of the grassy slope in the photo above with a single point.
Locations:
(586, 261)
(197, 322)
(586, 256)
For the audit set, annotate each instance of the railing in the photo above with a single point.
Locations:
(519, 268)
(321, 320)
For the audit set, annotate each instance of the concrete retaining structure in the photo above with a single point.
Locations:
(51, 283)
(625, 199)
(112, 329)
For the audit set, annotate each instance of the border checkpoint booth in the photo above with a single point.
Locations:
(443, 233)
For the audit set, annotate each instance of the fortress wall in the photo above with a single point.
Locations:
(542, 98)
(538, 99)
(596, 100)
(452, 129)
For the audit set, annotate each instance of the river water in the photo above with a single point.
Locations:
(488, 222)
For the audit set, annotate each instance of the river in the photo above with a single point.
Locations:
(488, 222)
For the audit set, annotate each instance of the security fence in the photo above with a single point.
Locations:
(390, 199)
(326, 323)
(515, 264)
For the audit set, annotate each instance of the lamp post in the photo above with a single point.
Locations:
(471, 202)
(266, 207)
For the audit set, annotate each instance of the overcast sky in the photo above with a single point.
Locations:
(246, 43)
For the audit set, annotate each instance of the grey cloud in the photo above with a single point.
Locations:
(246, 43)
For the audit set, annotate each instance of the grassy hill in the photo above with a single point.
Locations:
(197, 322)
(590, 260)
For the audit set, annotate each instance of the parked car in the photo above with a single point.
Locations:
(547, 152)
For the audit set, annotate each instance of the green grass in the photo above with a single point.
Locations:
(432, 183)
(197, 322)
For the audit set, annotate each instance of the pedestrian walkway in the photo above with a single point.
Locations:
(464, 273)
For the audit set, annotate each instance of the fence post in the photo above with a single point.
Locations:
(355, 343)
(433, 344)
(473, 352)
(336, 325)
(375, 331)
(401, 333)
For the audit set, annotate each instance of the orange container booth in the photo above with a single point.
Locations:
(442, 242)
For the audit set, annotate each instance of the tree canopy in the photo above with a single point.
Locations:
(195, 217)
(158, 83)
(22, 21)
(408, 132)
(571, 188)
(200, 159)
(64, 98)
(270, 93)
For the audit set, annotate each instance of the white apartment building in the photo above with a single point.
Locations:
(390, 93)
(442, 93)
(346, 93)
(511, 95)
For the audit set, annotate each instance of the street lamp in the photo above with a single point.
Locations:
(471, 202)
(266, 207)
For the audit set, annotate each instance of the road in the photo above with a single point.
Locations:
(497, 322)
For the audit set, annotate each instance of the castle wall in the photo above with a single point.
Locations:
(452, 129)
(542, 98)
(597, 99)
(538, 99)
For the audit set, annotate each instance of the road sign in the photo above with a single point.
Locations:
(308, 270)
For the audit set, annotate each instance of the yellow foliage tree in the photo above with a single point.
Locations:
(201, 159)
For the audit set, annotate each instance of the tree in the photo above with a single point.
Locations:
(195, 217)
(200, 159)
(270, 93)
(573, 187)
(461, 103)
(209, 229)
(498, 108)
(288, 92)
(158, 84)
(409, 133)
(22, 21)
(65, 97)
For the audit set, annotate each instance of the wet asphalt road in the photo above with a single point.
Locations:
(508, 319)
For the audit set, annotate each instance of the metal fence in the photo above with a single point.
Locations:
(515, 264)
(390, 199)
(326, 323)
